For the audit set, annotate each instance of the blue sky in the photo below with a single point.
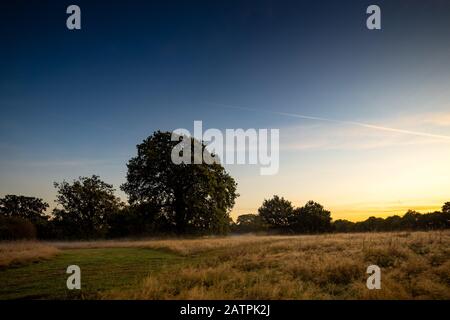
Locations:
(76, 103)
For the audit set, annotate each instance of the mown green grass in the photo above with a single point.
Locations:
(101, 270)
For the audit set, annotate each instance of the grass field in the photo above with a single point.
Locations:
(414, 266)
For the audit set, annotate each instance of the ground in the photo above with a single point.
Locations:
(414, 265)
(102, 269)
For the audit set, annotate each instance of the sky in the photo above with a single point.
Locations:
(364, 115)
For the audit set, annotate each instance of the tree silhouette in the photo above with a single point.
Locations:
(29, 208)
(249, 223)
(192, 197)
(342, 225)
(86, 204)
(277, 212)
(410, 219)
(312, 218)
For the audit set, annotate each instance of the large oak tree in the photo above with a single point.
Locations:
(192, 197)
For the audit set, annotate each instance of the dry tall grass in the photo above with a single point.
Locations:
(180, 246)
(414, 266)
(19, 252)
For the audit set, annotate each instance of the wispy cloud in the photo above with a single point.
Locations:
(352, 123)
(343, 137)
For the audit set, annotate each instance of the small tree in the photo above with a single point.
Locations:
(29, 208)
(86, 203)
(446, 207)
(393, 223)
(342, 225)
(249, 223)
(277, 212)
(410, 220)
(312, 218)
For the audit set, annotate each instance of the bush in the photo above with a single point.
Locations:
(15, 228)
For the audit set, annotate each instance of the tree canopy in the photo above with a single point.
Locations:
(85, 205)
(191, 197)
(30, 208)
(249, 223)
(446, 207)
(312, 218)
(276, 212)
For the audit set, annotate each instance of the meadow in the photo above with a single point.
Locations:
(414, 265)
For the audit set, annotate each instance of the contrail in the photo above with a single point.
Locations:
(353, 123)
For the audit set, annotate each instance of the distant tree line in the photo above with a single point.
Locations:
(278, 215)
(89, 209)
(411, 220)
(176, 199)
